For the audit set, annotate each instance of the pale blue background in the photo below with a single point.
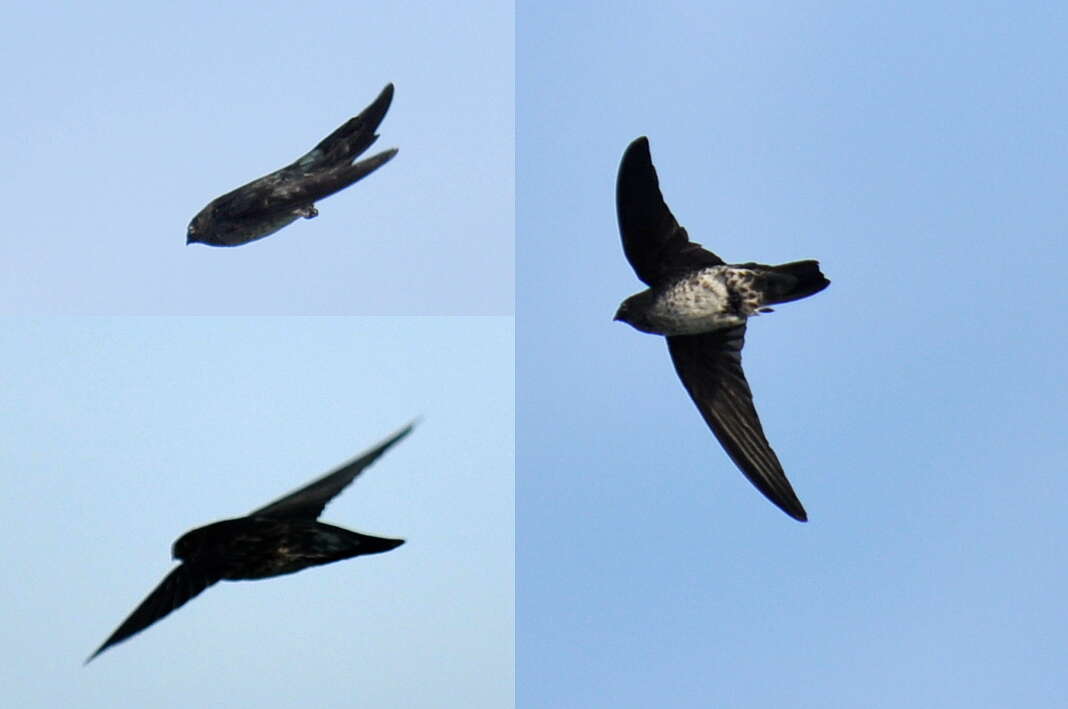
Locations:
(121, 434)
(920, 151)
(123, 119)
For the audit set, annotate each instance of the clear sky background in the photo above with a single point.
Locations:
(122, 120)
(122, 434)
(920, 151)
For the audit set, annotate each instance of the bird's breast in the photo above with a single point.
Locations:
(700, 302)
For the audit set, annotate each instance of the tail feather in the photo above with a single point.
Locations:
(793, 281)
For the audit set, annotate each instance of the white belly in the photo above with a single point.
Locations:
(698, 304)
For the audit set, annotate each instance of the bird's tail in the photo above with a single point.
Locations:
(793, 281)
(377, 545)
(336, 543)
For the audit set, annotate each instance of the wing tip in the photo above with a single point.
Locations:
(365, 167)
(786, 500)
(104, 646)
(385, 97)
(406, 428)
(639, 144)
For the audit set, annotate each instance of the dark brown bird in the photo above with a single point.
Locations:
(701, 305)
(281, 538)
(264, 206)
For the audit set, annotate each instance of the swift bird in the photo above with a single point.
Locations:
(701, 305)
(264, 206)
(281, 538)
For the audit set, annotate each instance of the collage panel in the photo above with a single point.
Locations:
(550, 354)
(683, 165)
(134, 133)
(349, 537)
(135, 434)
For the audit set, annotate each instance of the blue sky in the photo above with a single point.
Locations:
(121, 434)
(918, 150)
(124, 120)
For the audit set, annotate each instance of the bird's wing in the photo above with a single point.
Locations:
(182, 584)
(352, 138)
(654, 243)
(308, 502)
(710, 367)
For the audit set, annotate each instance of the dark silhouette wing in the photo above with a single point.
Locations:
(308, 502)
(654, 243)
(710, 367)
(182, 584)
(350, 140)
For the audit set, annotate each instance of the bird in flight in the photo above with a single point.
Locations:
(281, 538)
(264, 206)
(701, 305)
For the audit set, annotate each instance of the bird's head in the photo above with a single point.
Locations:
(193, 544)
(187, 545)
(199, 229)
(633, 311)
